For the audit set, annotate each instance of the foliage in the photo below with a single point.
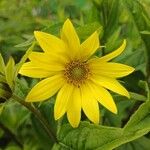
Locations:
(115, 20)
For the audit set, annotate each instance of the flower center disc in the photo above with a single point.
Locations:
(76, 72)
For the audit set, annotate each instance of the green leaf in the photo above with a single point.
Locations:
(137, 96)
(112, 41)
(88, 29)
(9, 71)
(26, 43)
(145, 32)
(142, 143)
(24, 58)
(89, 136)
(140, 119)
(53, 29)
(16, 115)
(2, 78)
(2, 65)
(145, 86)
(21, 87)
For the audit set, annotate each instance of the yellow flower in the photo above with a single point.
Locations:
(80, 80)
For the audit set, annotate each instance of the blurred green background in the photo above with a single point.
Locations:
(115, 19)
(19, 18)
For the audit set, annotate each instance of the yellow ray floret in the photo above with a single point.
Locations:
(79, 80)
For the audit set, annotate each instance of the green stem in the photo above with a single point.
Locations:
(38, 115)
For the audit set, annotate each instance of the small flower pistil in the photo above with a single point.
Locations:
(76, 72)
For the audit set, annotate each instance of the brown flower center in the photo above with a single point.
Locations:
(76, 72)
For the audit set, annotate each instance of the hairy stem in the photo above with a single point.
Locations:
(38, 115)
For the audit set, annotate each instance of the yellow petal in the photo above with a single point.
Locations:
(62, 100)
(114, 53)
(45, 89)
(74, 108)
(90, 45)
(113, 70)
(31, 70)
(111, 84)
(89, 104)
(48, 58)
(103, 96)
(50, 43)
(70, 37)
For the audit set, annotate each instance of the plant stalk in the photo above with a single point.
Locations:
(38, 115)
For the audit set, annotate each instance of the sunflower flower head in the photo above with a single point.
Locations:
(80, 81)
